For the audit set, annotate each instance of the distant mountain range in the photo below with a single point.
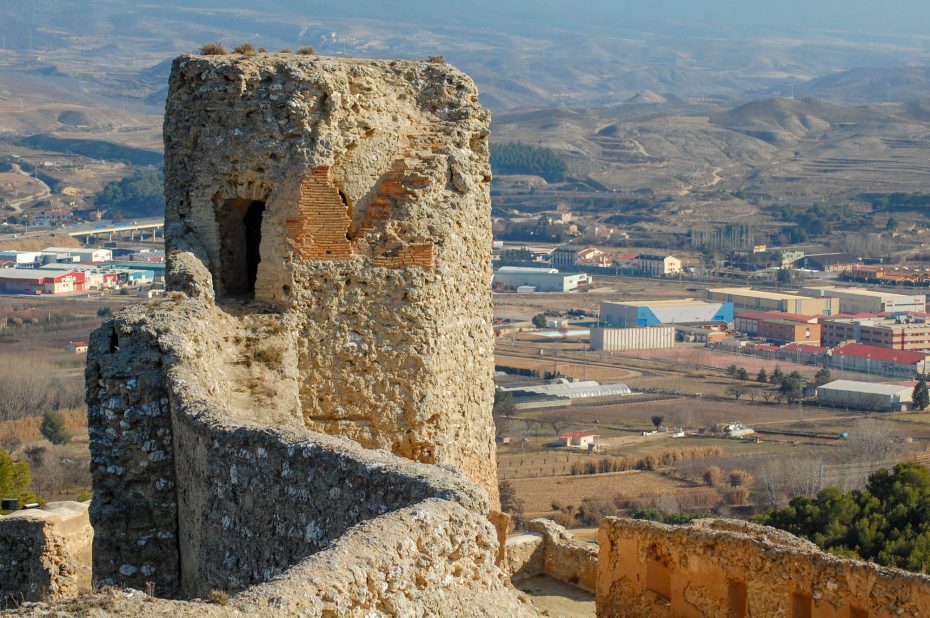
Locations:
(522, 53)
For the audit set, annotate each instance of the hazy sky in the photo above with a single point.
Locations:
(868, 16)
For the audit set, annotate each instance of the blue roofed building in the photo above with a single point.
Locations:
(641, 313)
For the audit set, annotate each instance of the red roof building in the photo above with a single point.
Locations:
(871, 359)
(33, 281)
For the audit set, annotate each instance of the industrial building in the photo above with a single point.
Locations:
(747, 298)
(873, 360)
(862, 300)
(658, 265)
(865, 395)
(642, 313)
(747, 322)
(562, 392)
(828, 262)
(789, 331)
(40, 281)
(542, 279)
(894, 333)
(86, 256)
(620, 339)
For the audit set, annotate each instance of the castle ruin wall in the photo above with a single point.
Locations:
(45, 554)
(734, 568)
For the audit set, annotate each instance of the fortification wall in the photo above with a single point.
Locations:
(248, 492)
(354, 197)
(45, 554)
(435, 558)
(733, 568)
(547, 548)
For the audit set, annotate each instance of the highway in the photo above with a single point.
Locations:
(91, 229)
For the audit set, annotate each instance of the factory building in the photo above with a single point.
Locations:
(542, 279)
(861, 300)
(897, 334)
(789, 331)
(873, 360)
(747, 298)
(657, 312)
(621, 339)
(86, 256)
(747, 322)
(40, 281)
(865, 395)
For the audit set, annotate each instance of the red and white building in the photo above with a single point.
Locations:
(40, 281)
(870, 359)
(583, 440)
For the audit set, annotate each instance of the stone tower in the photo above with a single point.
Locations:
(352, 198)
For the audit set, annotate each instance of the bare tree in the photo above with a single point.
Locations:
(770, 479)
(872, 441)
(558, 422)
(803, 476)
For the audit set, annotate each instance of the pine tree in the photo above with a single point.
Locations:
(921, 396)
(762, 377)
(53, 427)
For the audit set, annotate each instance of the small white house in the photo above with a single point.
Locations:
(581, 440)
(76, 347)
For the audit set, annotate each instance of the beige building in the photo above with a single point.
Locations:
(658, 265)
(862, 300)
(747, 298)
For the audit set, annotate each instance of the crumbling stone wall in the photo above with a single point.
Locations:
(547, 548)
(435, 558)
(372, 178)
(734, 568)
(45, 554)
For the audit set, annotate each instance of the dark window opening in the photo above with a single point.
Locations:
(240, 228)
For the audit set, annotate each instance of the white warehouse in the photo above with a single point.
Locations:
(620, 339)
(862, 300)
(865, 395)
(543, 279)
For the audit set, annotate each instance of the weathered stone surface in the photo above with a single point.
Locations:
(353, 196)
(549, 549)
(45, 554)
(734, 568)
(432, 559)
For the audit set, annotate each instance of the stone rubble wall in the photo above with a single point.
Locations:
(243, 497)
(434, 558)
(734, 568)
(549, 549)
(132, 467)
(45, 553)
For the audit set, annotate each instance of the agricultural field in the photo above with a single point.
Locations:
(39, 376)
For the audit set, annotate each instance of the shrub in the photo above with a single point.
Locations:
(84, 496)
(713, 476)
(270, 356)
(15, 478)
(213, 49)
(740, 478)
(286, 50)
(219, 597)
(738, 496)
(53, 427)
(246, 49)
(306, 51)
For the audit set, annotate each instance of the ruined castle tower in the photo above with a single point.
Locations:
(354, 198)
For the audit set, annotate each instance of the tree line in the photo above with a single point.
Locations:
(886, 522)
(517, 158)
(141, 194)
